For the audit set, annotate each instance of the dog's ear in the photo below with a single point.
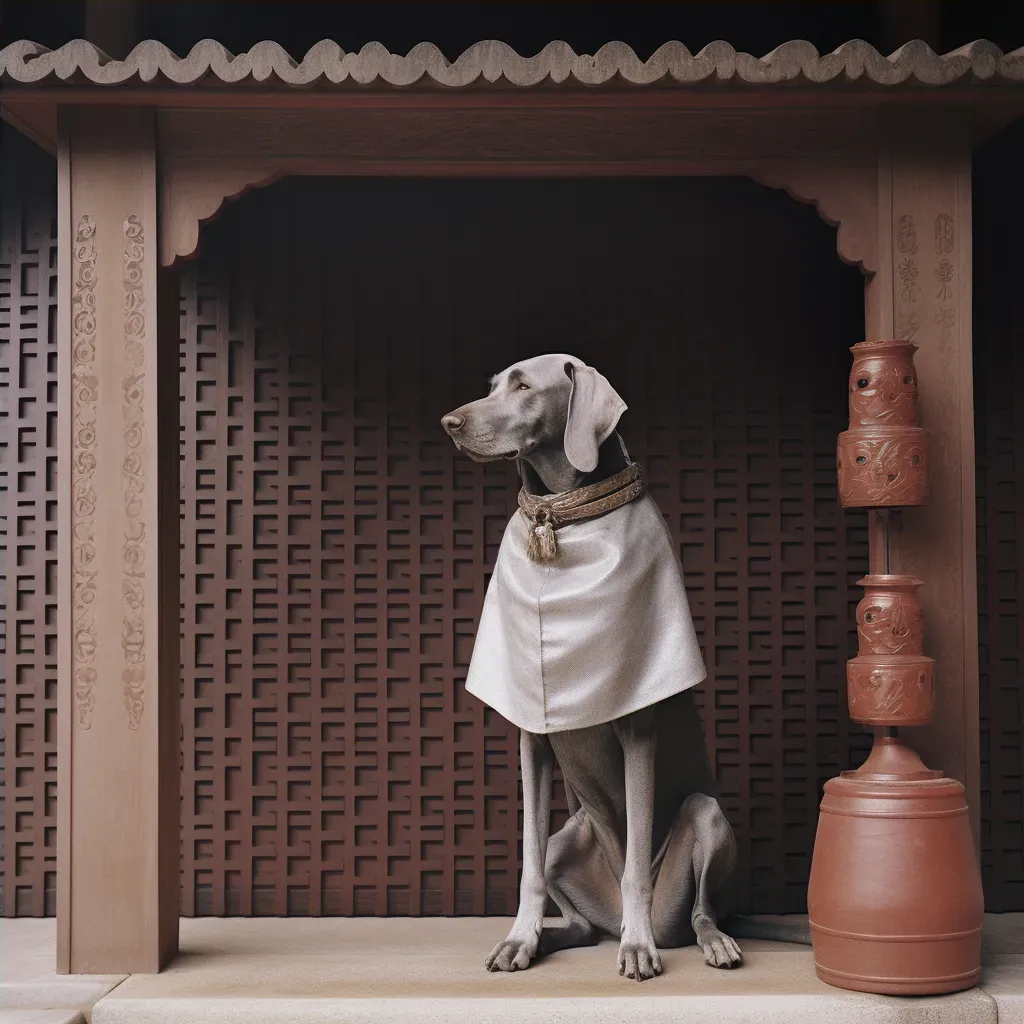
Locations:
(594, 410)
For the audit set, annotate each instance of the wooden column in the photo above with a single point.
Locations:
(117, 901)
(922, 291)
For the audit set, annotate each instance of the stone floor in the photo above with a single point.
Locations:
(367, 971)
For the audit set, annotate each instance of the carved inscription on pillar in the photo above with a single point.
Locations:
(133, 555)
(908, 316)
(944, 395)
(85, 393)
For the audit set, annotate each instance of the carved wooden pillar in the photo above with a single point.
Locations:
(922, 292)
(117, 903)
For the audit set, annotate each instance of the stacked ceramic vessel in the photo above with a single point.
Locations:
(894, 900)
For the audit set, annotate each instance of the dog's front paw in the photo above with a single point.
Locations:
(639, 958)
(516, 952)
(720, 950)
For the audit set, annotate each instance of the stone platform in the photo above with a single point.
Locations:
(428, 971)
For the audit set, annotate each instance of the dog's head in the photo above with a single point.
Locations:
(538, 405)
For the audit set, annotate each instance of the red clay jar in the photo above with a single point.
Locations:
(890, 680)
(882, 467)
(894, 901)
(883, 385)
(882, 459)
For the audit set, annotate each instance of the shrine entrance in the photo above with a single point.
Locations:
(336, 547)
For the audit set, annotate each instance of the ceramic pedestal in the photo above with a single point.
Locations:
(895, 900)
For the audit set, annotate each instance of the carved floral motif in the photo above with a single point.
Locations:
(909, 273)
(133, 553)
(906, 234)
(85, 394)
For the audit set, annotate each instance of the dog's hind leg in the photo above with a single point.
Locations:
(714, 861)
(582, 884)
(693, 886)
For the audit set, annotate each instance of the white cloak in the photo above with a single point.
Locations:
(601, 631)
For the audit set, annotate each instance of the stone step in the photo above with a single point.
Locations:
(429, 971)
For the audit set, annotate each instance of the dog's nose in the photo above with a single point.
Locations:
(452, 422)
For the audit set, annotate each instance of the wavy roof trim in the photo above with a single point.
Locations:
(27, 63)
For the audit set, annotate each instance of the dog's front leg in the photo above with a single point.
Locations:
(523, 940)
(638, 955)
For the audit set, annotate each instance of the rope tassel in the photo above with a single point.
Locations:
(542, 545)
(546, 513)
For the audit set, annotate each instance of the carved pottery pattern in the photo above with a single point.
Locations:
(83, 452)
(890, 619)
(883, 467)
(883, 384)
(890, 680)
(133, 554)
(891, 690)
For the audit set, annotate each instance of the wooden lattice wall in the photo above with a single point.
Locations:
(336, 547)
(335, 550)
(999, 436)
(28, 507)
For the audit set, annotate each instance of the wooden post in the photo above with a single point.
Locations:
(117, 900)
(922, 292)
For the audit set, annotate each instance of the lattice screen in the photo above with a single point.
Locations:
(28, 505)
(332, 762)
(336, 548)
(999, 433)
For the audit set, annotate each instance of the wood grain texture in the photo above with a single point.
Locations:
(493, 62)
(927, 168)
(31, 608)
(822, 158)
(123, 840)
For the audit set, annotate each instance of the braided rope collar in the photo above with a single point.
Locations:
(547, 512)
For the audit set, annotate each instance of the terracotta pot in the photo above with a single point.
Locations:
(893, 690)
(882, 459)
(890, 682)
(883, 385)
(889, 616)
(883, 466)
(895, 900)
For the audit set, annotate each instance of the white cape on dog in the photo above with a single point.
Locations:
(601, 631)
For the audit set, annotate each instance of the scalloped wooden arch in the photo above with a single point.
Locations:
(846, 198)
(192, 193)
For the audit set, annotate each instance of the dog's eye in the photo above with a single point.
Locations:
(523, 387)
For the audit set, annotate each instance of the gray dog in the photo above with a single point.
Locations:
(647, 854)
